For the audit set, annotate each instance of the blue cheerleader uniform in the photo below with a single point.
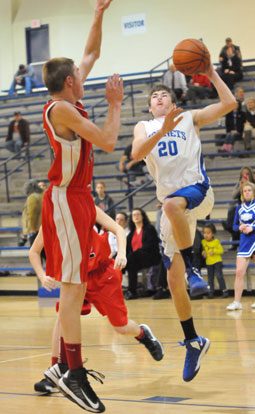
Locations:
(245, 214)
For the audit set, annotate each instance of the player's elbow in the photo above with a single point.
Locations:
(109, 147)
(136, 155)
(232, 104)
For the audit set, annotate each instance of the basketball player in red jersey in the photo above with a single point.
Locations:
(68, 212)
(103, 291)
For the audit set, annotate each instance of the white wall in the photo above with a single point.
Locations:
(168, 22)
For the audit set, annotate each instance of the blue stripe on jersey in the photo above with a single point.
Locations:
(206, 181)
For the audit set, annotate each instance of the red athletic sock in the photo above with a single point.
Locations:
(140, 334)
(73, 353)
(54, 360)
(62, 351)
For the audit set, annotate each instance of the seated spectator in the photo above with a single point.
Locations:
(23, 77)
(230, 64)
(235, 121)
(229, 44)
(162, 290)
(199, 87)
(31, 208)
(103, 200)
(142, 249)
(249, 126)
(122, 220)
(239, 94)
(18, 134)
(134, 169)
(176, 81)
(246, 174)
(31, 214)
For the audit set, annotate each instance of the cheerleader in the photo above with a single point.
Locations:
(244, 221)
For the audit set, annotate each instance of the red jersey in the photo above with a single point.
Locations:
(73, 161)
(100, 252)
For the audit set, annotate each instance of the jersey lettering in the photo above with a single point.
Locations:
(169, 148)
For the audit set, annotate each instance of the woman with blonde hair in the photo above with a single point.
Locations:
(244, 221)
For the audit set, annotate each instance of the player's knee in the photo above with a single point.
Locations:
(174, 205)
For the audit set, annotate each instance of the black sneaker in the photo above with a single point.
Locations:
(54, 373)
(153, 345)
(76, 387)
(46, 387)
(161, 294)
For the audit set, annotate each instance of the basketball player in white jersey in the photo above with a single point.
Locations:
(171, 147)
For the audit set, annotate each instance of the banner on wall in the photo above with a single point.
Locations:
(133, 24)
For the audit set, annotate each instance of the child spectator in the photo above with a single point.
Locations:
(212, 252)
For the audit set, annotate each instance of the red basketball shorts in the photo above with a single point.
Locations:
(68, 217)
(105, 293)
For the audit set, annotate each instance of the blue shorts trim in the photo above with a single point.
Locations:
(194, 194)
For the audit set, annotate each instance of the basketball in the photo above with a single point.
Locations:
(191, 57)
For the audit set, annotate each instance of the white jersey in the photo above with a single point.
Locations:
(176, 160)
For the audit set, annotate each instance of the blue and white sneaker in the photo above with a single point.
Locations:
(197, 284)
(196, 349)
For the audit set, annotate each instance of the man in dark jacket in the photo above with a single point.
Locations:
(23, 77)
(18, 134)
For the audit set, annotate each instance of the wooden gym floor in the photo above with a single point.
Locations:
(134, 381)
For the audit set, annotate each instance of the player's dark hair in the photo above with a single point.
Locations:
(55, 72)
(161, 87)
(210, 226)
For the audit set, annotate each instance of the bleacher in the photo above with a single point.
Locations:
(223, 170)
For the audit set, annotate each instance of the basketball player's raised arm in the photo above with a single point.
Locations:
(215, 111)
(66, 115)
(142, 145)
(110, 225)
(93, 45)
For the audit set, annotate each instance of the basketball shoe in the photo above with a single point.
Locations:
(195, 350)
(153, 345)
(76, 387)
(197, 284)
(234, 306)
(54, 373)
(46, 387)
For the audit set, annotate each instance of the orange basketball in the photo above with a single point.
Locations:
(191, 56)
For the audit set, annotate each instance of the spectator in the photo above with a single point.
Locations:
(122, 220)
(239, 94)
(249, 126)
(23, 77)
(103, 200)
(31, 215)
(212, 252)
(246, 174)
(142, 248)
(231, 64)
(229, 44)
(235, 121)
(176, 81)
(244, 222)
(199, 87)
(25, 221)
(131, 167)
(18, 134)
